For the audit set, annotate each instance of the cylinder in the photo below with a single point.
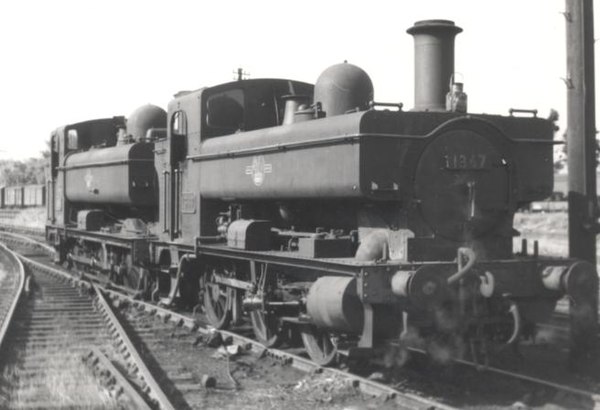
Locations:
(333, 303)
(434, 62)
(400, 282)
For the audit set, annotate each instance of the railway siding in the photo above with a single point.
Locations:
(46, 336)
(242, 368)
(51, 331)
(176, 348)
(196, 375)
(131, 355)
(12, 283)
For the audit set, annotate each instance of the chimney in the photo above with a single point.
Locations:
(434, 62)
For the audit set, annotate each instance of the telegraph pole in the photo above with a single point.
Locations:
(581, 130)
(240, 74)
(581, 146)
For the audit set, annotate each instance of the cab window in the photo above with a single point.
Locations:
(179, 128)
(248, 105)
(225, 112)
(179, 123)
(72, 140)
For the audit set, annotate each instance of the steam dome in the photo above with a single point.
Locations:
(343, 87)
(145, 117)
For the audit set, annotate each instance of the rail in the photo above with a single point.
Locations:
(19, 238)
(112, 378)
(154, 390)
(370, 387)
(403, 399)
(31, 231)
(524, 378)
(367, 386)
(20, 271)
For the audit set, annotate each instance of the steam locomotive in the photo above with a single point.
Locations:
(313, 210)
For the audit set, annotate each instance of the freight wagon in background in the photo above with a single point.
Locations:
(561, 186)
(34, 195)
(23, 196)
(557, 202)
(13, 197)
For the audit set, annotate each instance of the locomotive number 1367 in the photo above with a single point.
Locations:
(465, 161)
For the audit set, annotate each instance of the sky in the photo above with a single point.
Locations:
(68, 61)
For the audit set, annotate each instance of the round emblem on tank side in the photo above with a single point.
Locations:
(258, 169)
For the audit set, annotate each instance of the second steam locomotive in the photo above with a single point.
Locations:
(313, 210)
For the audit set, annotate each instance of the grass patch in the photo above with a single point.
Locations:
(60, 380)
(30, 218)
(64, 382)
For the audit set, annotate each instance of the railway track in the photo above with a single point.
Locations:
(53, 336)
(168, 340)
(161, 326)
(51, 331)
(34, 233)
(12, 284)
(186, 385)
(9, 213)
(156, 330)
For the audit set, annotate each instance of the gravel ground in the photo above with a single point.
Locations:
(181, 359)
(469, 388)
(266, 384)
(549, 229)
(30, 218)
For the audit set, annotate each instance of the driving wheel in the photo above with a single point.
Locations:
(319, 345)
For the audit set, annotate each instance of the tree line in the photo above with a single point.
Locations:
(29, 171)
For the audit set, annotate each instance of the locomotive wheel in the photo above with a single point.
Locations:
(190, 286)
(267, 328)
(68, 264)
(133, 278)
(218, 300)
(319, 345)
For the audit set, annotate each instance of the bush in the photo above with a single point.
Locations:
(30, 171)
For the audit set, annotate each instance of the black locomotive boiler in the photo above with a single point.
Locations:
(315, 210)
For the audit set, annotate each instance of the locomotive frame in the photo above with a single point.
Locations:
(325, 219)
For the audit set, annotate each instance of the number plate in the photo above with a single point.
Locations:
(465, 161)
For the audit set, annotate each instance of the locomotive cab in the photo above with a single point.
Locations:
(197, 116)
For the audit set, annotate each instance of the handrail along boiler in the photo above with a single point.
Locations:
(312, 209)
